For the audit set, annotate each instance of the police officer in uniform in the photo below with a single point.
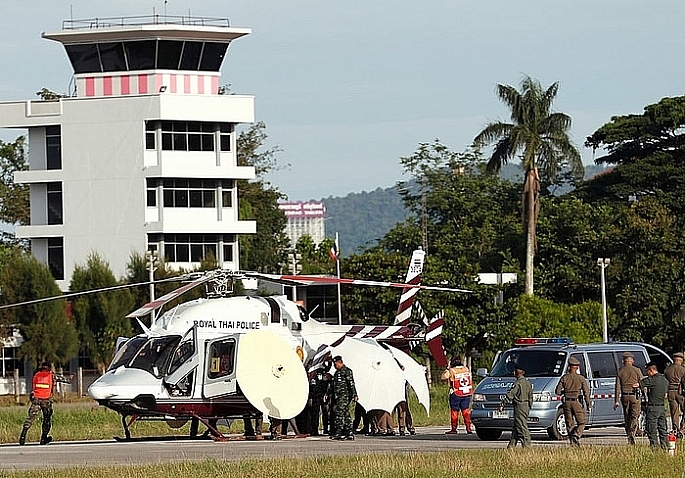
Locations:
(656, 387)
(674, 373)
(521, 396)
(628, 390)
(344, 392)
(41, 401)
(574, 387)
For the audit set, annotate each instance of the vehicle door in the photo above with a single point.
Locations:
(219, 376)
(182, 373)
(602, 381)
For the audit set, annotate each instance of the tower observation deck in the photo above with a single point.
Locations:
(146, 54)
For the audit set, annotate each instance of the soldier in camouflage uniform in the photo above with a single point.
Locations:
(344, 392)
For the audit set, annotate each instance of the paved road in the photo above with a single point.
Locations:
(97, 453)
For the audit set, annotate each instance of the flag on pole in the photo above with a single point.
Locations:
(335, 250)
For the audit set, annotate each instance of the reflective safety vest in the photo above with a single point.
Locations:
(460, 381)
(42, 385)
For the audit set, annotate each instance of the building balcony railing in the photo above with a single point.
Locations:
(112, 22)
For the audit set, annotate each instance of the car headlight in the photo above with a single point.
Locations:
(478, 397)
(542, 397)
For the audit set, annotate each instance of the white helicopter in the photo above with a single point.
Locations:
(246, 356)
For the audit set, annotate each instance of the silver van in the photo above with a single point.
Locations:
(545, 361)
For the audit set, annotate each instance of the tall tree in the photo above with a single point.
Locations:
(541, 138)
(267, 248)
(47, 332)
(101, 317)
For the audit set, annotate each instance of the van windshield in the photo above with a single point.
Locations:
(536, 363)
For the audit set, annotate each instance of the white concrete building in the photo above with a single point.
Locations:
(304, 218)
(143, 156)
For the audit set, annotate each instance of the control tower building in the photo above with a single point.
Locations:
(143, 155)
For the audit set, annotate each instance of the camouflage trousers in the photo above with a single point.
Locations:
(342, 421)
(44, 406)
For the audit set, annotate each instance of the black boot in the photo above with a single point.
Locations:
(45, 440)
(22, 437)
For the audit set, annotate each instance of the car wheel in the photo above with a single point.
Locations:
(488, 434)
(558, 429)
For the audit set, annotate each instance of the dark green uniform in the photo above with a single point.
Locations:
(574, 386)
(521, 396)
(344, 392)
(655, 417)
(318, 388)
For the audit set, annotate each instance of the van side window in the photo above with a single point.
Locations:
(602, 364)
(638, 360)
(581, 359)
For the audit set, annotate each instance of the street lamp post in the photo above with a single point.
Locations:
(603, 263)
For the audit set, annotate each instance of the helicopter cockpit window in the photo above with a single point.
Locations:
(127, 352)
(154, 356)
(182, 353)
(221, 358)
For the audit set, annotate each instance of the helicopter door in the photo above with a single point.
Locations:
(180, 376)
(219, 376)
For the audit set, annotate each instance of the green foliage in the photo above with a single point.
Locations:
(14, 198)
(315, 257)
(267, 248)
(361, 219)
(48, 334)
(535, 317)
(101, 317)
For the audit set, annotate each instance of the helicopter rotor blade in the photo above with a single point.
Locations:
(311, 280)
(93, 291)
(157, 303)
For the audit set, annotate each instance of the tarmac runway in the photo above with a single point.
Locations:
(165, 450)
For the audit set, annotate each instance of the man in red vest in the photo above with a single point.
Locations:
(461, 389)
(41, 400)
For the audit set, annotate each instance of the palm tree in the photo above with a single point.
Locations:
(542, 139)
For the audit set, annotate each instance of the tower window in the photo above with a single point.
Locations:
(56, 257)
(53, 146)
(54, 203)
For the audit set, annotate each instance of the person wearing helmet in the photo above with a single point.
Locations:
(41, 401)
(573, 387)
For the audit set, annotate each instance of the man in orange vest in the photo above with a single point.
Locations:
(461, 389)
(41, 400)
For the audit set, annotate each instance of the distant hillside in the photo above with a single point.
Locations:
(362, 218)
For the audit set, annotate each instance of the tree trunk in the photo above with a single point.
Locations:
(530, 193)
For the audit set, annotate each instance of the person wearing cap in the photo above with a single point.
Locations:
(656, 388)
(520, 395)
(627, 394)
(344, 393)
(41, 401)
(675, 373)
(573, 387)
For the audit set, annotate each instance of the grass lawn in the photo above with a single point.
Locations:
(587, 462)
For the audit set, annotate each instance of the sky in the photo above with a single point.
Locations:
(347, 88)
